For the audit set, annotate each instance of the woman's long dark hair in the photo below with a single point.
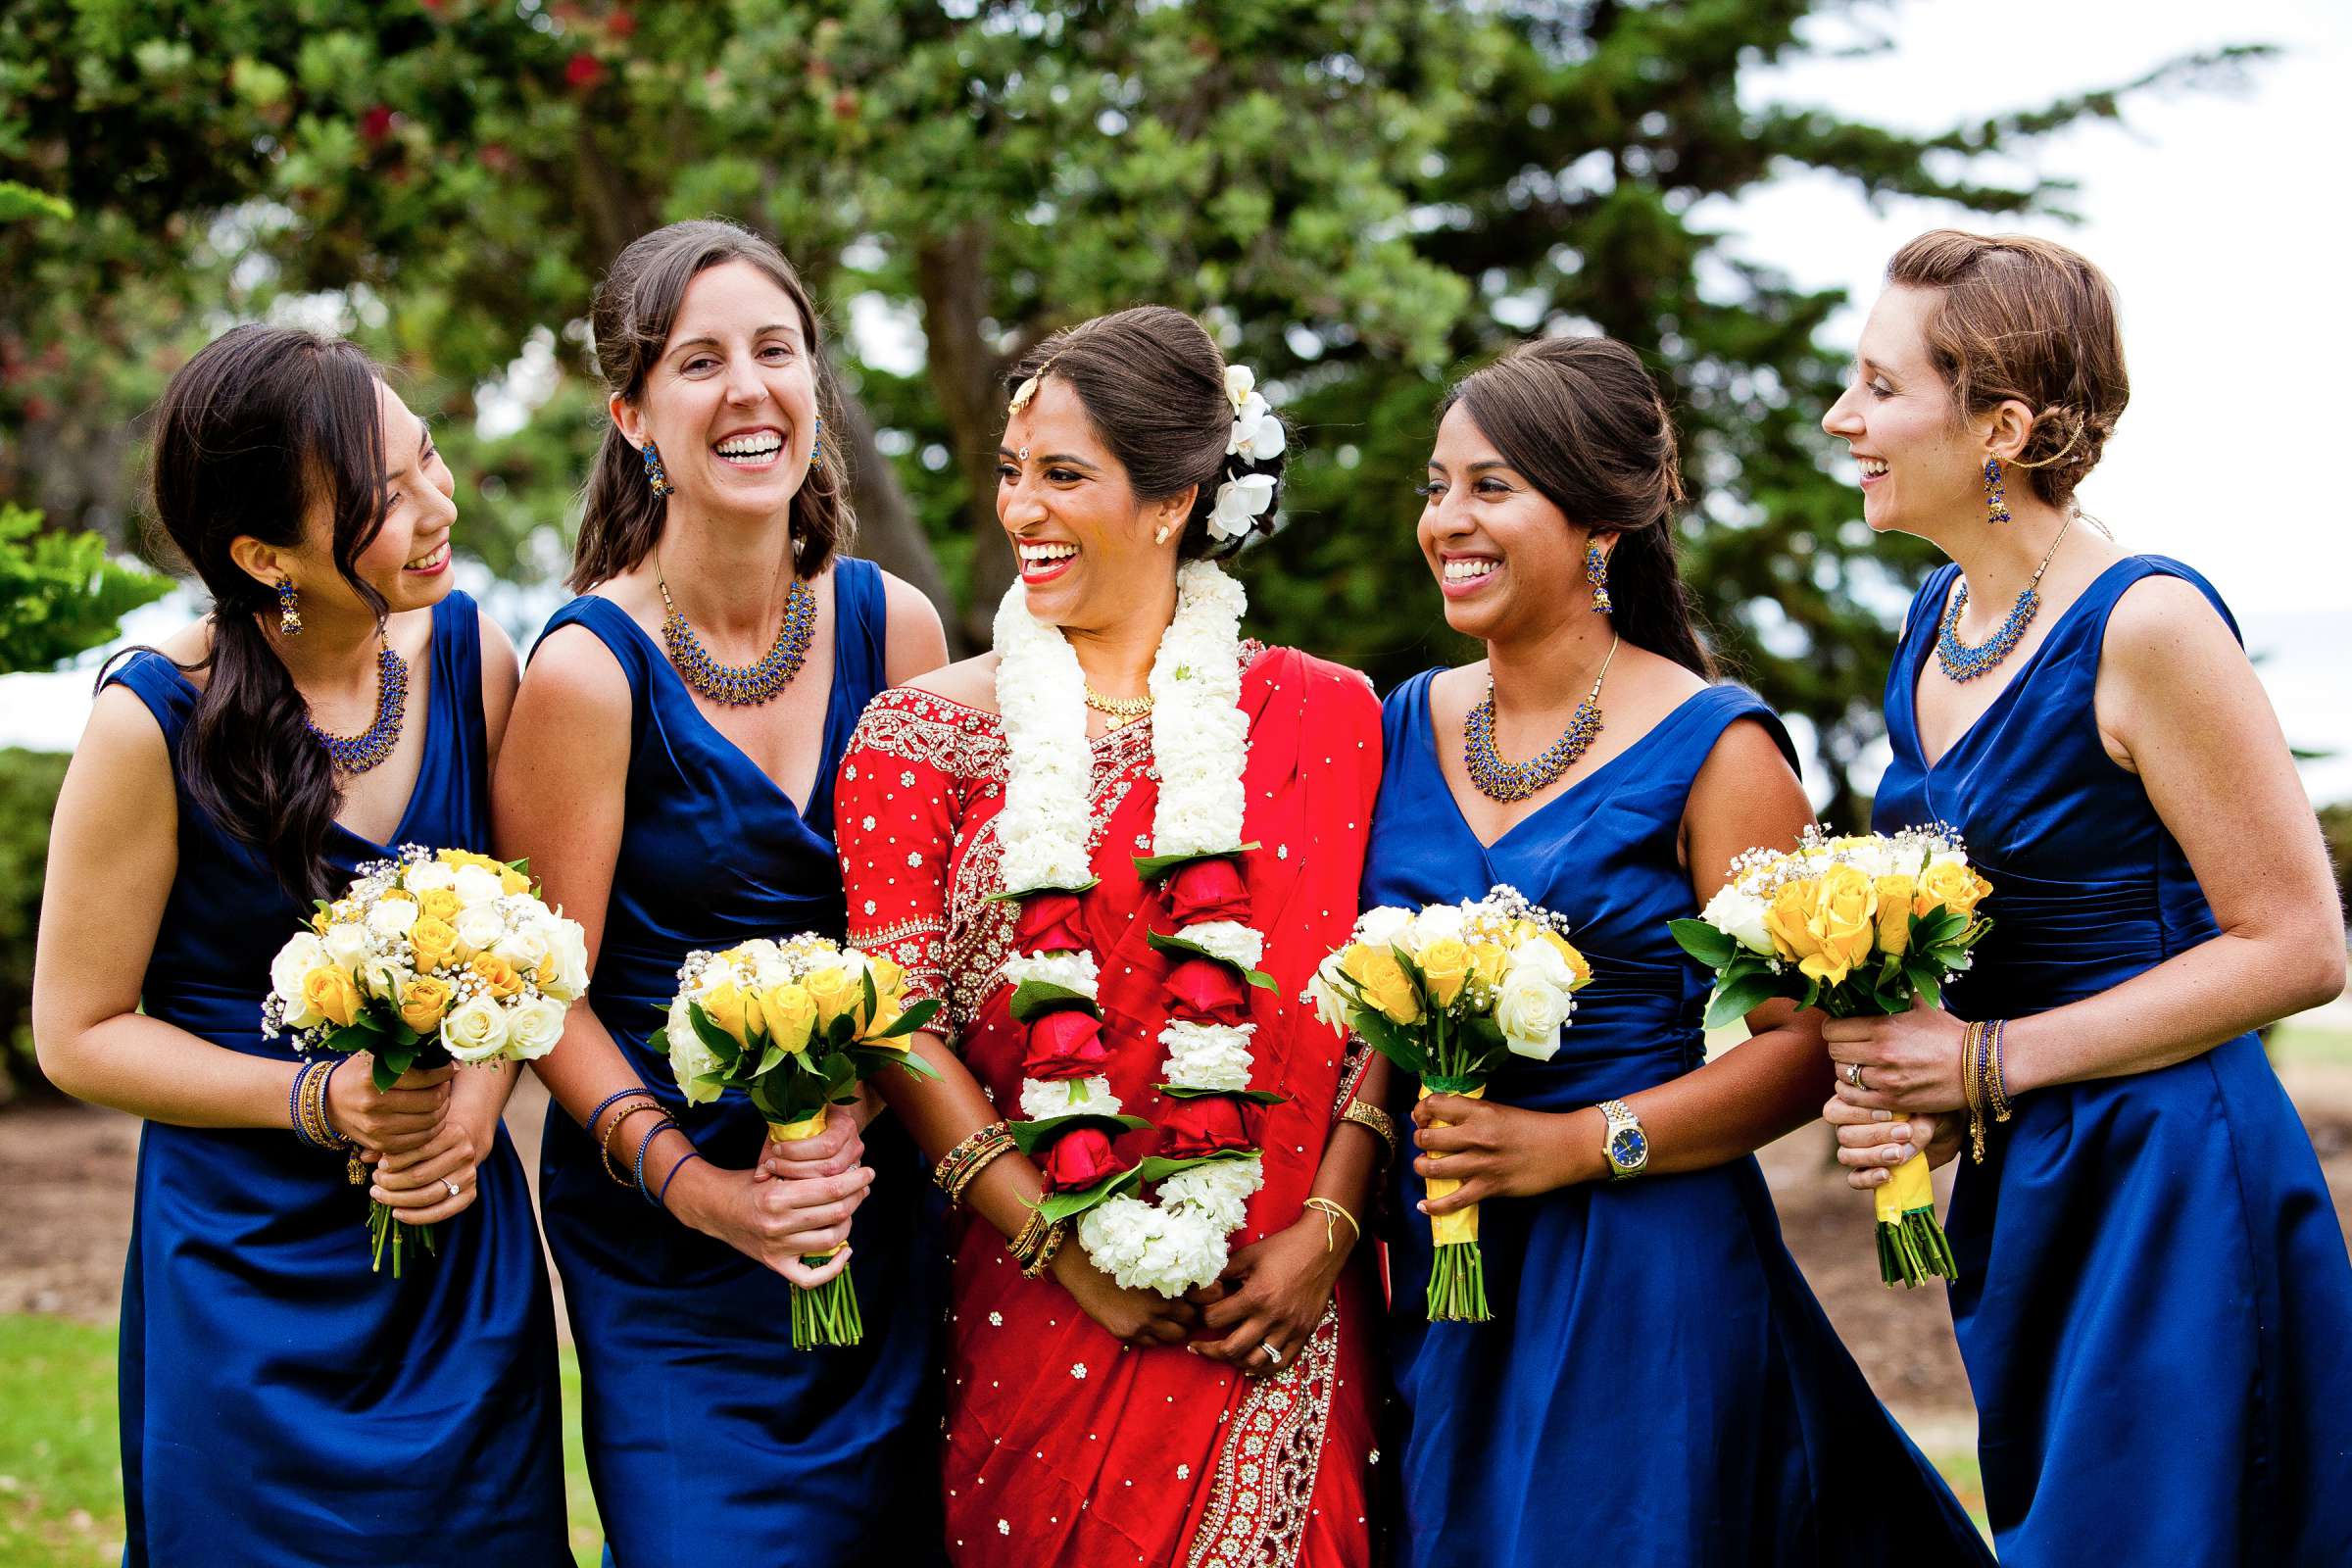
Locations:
(635, 306)
(264, 427)
(1581, 419)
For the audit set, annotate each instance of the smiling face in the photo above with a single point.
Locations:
(407, 562)
(1922, 466)
(1085, 546)
(731, 403)
(1508, 562)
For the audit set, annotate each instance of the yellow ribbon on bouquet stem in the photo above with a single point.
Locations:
(1909, 1188)
(1462, 1224)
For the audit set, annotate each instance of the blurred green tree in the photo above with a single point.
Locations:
(1359, 195)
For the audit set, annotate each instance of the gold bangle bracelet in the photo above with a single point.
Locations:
(1971, 1084)
(603, 1145)
(1326, 1207)
(959, 1166)
(1377, 1121)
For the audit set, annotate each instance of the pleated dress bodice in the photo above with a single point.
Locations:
(2154, 1299)
(395, 1421)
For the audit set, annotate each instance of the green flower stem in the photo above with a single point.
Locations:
(827, 1314)
(1457, 1285)
(1915, 1250)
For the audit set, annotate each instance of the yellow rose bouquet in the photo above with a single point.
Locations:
(428, 957)
(796, 1025)
(1449, 992)
(1854, 926)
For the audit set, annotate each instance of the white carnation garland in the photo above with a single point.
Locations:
(1201, 744)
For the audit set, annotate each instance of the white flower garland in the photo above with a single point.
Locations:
(1201, 744)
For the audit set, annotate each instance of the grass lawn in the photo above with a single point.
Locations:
(60, 1498)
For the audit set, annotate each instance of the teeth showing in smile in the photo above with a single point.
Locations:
(1872, 468)
(757, 448)
(430, 558)
(1469, 569)
(1040, 554)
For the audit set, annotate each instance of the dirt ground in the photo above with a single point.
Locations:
(66, 1172)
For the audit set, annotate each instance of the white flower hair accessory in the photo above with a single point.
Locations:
(1258, 437)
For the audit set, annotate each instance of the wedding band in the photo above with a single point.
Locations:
(1853, 1075)
(1272, 1355)
(454, 1190)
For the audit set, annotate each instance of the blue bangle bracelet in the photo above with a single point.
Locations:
(662, 1202)
(644, 1144)
(302, 1070)
(588, 1122)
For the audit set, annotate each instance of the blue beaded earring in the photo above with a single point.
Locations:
(289, 617)
(1597, 572)
(1996, 502)
(657, 478)
(816, 449)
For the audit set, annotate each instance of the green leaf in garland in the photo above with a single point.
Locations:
(1033, 997)
(1010, 896)
(1161, 943)
(1256, 1096)
(1152, 868)
(1058, 1207)
(1030, 1136)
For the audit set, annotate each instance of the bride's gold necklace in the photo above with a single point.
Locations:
(1120, 711)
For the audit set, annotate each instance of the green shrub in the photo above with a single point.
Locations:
(29, 785)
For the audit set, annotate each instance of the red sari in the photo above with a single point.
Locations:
(1063, 1445)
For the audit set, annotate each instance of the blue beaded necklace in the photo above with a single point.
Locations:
(1498, 780)
(1961, 662)
(356, 754)
(741, 685)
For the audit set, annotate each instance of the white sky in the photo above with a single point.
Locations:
(2209, 211)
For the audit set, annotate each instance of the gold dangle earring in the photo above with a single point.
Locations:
(289, 613)
(1597, 572)
(1996, 501)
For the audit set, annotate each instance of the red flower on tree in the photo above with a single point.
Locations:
(583, 71)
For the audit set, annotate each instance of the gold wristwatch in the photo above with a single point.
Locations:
(1626, 1147)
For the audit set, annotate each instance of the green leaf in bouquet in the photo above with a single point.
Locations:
(1030, 1136)
(914, 1065)
(840, 1033)
(1400, 1044)
(1937, 928)
(711, 1080)
(1710, 947)
(1161, 943)
(910, 1021)
(523, 865)
(1812, 996)
(1256, 1096)
(722, 1045)
(659, 1041)
(1739, 993)
(771, 1058)
(391, 1061)
(1926, 981)
(1033, 997)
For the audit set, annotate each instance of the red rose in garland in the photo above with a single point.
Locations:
(1206, 991)
(1210, 1124)
(1079, 1159)
(1048, 923)
(1065, 1043)
(1201, 891)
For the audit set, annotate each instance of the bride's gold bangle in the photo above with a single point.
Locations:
(1326, 1207)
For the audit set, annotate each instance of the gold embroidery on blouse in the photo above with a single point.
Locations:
(1263, 1490)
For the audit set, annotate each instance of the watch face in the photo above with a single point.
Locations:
(1628, 1148)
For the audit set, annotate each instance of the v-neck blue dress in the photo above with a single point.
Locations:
(281, 1406)
(709, 1439)
(2154, 1302)
(1658, 1384)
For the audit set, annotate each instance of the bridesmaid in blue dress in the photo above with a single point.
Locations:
(671, 769)
(2154, 1301)
(407, 1421)
(1657, 1385)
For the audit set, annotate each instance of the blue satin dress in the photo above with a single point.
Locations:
(2154, 1301)
(1658, 1385)
(281, 1406)
(709, 1439)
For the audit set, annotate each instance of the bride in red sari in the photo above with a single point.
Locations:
(1115, 848)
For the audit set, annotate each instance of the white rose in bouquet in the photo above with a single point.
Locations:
(302, 954)
(1381, 927)
(346, 942)
(479, 926)
(1739, 914)
(689, 1057)
(1530, 1009)
(567, 944)
(476, 1030)
(384, 978)
(392, 917)
(429, 876)
(476, 884)
(533, 1027)
(1440, 922)
(523, 947)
